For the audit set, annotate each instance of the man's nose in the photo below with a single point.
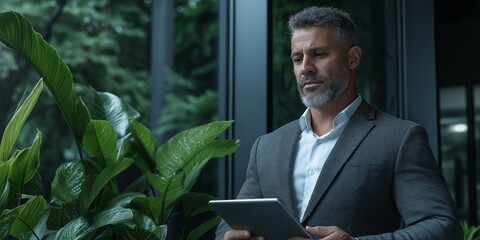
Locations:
(307, 66)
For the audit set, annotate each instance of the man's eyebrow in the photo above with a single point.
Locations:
(317, 48)
(294, 54)
(311, 49)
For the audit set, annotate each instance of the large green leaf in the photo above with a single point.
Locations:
(93, 184)
(170, 190)
(25, 164)
(40, 229)
(150, 206)
(194, 204)
(184, 146)
(34, 186)
(16, 123)
(470, 232)
(17, 33)
(123, 200)
(7, 218)
(175, 187)
(107, 106)
(82, 226)
(4, 184)
(215, 149)
(203, 227)
(29, 216)
(67, 183)
(143, 228)
(144, 138)
(140, 233)
(100, 140)
(60, 213)
(181, 159)
(144, 146)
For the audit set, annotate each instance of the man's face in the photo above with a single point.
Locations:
(320, 65)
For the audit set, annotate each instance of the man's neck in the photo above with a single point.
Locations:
(323, 116)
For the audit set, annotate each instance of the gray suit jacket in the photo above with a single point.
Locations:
(380, 181)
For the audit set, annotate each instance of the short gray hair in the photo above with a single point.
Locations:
(327, 17)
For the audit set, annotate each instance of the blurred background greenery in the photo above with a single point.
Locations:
(105, 44)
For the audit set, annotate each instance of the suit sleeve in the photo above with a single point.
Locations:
(421, 194)
(250, 189)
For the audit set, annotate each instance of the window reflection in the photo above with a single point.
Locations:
(453, 139)
(476, 95)
(191, 87)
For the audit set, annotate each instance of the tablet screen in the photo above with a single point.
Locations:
(262, 217)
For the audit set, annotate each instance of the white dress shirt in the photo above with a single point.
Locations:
(313, 151)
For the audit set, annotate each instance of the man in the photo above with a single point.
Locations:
(344, 168)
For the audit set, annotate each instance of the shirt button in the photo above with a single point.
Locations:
(311, 172)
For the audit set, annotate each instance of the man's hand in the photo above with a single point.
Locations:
(241, 234)
(327, 233)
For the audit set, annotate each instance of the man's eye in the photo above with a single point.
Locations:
(296, 59)
(320, 54)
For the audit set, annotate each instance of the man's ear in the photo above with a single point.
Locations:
(354, 57)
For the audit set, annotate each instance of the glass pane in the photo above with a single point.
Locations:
(476, 95)
(453, 139)
(191, 97)
(376, 76)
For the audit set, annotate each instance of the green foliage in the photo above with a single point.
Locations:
(104, 43)
(85, 202)
(20, 116)
(184, 108)
(193, 206)
(470, 232)
(191, 98)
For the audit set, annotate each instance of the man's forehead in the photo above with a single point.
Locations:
(305, 35)
(312, 34)
(311, 29)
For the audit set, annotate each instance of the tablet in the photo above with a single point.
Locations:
(261, 216)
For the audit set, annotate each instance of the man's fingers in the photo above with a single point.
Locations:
(240, 234)
(329, 233)
(236, 234)
(320, 230)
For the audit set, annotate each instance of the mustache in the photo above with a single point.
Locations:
(304, 80)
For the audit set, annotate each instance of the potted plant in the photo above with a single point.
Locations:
(85, 202)
(470, 232)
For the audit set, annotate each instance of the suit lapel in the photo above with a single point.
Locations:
(286, 155)
(353, 134)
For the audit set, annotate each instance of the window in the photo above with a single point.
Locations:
(377, 73)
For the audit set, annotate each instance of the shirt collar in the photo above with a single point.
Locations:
(342, 116)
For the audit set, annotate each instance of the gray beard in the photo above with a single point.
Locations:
(314, 99)
(333, 90)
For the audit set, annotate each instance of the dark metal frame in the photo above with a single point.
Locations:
(244, 95)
